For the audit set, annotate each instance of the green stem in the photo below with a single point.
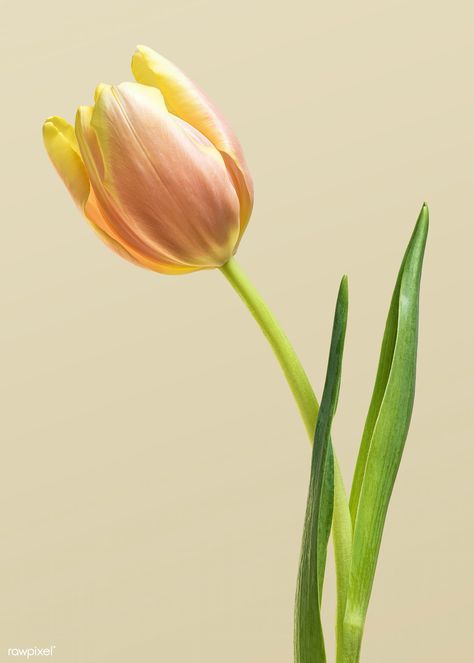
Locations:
(342, 541)
(350, 645)
(308, 406)
(289, 362)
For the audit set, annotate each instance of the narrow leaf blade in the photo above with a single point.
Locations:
(384, 435)
(309, 639)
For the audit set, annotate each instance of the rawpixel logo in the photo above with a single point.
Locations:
(31, 651)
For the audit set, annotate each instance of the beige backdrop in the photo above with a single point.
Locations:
(154, 468)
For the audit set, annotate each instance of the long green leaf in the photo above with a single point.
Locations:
(384, 437)
(309, 639)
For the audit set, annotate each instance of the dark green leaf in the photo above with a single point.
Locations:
(309, 639)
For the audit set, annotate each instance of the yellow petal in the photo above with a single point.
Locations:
(184, 99)
(61, 145)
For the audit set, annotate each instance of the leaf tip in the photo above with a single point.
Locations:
(425, 215)
(420, 232)
(343, 295)
(344, 286)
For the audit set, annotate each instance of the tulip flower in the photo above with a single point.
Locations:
(162, 180)
(156, 170)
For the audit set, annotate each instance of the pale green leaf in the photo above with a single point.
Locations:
(384, 436)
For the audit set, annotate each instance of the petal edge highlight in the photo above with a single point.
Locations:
(186, 100)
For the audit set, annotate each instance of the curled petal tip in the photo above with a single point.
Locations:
(48, 127)
(54, 125)
(49, 120)
(99, 90)
(61, 145)
(142, 50)
(83, 114)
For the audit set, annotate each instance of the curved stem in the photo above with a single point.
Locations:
(308, 406)
(289, 362)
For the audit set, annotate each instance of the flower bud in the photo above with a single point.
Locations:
(155, 170)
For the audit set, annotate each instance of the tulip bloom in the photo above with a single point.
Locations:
(156, 170)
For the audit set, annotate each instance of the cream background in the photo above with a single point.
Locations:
(154, 468)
